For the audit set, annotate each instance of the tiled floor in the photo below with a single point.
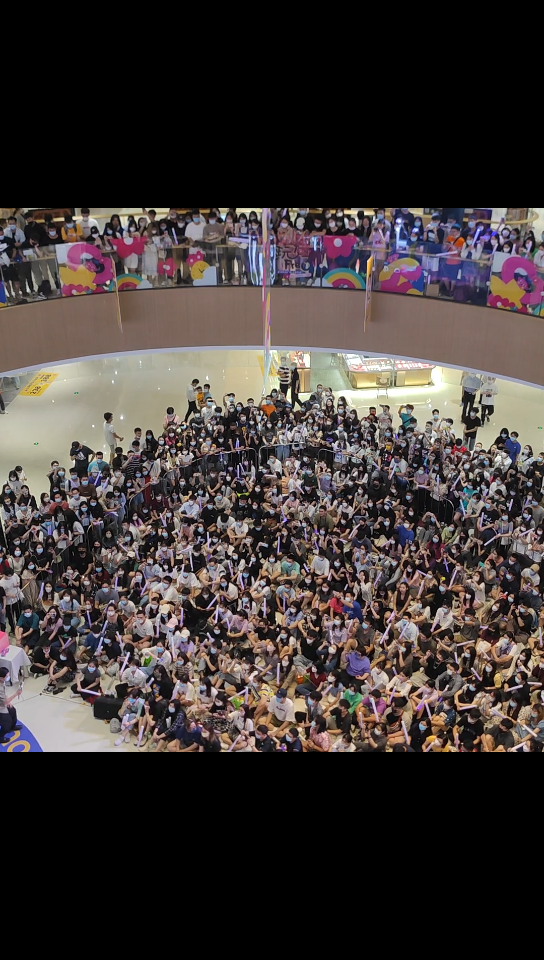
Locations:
(138, 389)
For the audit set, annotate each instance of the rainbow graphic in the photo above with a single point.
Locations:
(343, 278)
(131, 281)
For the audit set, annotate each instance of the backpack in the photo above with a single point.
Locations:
(115, 726)
(45, 288)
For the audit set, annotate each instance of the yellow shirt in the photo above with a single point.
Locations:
(72, 234)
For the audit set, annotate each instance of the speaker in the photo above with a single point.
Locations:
(106, 708)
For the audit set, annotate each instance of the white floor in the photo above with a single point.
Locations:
(61, 725)
(138, 389)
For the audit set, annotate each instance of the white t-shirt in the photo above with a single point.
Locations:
(109, 434)
(284, 712)
(87, 226)
(195, 231)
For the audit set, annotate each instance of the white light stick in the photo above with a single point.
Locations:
(476, 675)
(235, 743)
(404, 730)
(428, 711)
(372, 700)
(452, 581)
(123, 668)
(430, 747)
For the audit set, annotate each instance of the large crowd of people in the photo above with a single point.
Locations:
(302, 250)
(287, 576)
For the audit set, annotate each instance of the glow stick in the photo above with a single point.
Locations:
(404, 730)
(264, 608)
(278, 677)
(212, 604)
(123, 668)
(92, 693)
(452, 581)
(140, 738)
(428, 711)
(217, 615)
(529, 731)
(235, 742)
(376, 714)
(476, 675)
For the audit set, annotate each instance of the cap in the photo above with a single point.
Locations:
(282, 694)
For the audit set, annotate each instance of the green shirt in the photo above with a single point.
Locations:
(354, 699)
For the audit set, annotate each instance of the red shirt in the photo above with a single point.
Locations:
(317, 678)
(336, 605)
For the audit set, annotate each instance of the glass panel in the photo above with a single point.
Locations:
(84, 268)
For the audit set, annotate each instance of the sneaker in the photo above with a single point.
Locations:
(120, 741)
(41, 296)
(56, 692)
(75, 696)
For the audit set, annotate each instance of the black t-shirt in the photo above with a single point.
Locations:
(211, 746)
(472, 422)
(294, 747)
(265, 746)
(81, 459)
(502, 738)
(343, 723)
(470, 731)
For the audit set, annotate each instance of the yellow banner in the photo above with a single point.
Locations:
(38, 384)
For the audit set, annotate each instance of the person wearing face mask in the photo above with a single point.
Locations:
(87, 680)
(87, 223)
(27, 631)
(72, 232)
(61, 673)
(195, 229)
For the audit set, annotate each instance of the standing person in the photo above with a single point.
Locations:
(193, 391)
(87, 223)
(489, 391)
(8, 715)
(110, 435)
(472, 424)
(470, 384)
(284, 374)
(295, 386)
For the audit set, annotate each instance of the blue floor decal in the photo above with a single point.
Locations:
(21, 741)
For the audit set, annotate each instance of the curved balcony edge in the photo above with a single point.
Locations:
(498, 342)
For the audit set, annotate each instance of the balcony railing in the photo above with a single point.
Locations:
(482, 277)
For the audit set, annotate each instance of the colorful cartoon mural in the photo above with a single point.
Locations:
(402, 275)
(85, 270)
(518, 287)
